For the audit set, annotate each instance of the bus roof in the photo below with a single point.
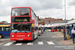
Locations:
(4, 25)
(21, 7)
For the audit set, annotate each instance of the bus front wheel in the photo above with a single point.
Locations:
(0, 35)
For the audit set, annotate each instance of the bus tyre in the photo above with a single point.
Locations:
(17, 41)
(0, 35)
(39, 34)
(33, 38)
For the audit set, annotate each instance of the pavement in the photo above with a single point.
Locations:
(5, 39)
(66, 42)
(44, 42)
(58, 35)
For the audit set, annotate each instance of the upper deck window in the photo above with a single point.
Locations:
(20, 11)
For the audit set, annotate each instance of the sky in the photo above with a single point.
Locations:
(42, 8)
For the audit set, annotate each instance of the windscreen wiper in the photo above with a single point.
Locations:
(15, 32)
(21, 27)
(25, 31)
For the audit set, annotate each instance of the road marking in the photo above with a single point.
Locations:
(29, 43)
(19, 44)
(50, 43)
(8, 44)
(40, 43)
(1, 43)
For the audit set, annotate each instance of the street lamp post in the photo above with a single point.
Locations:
(65, 18)
(73, 2)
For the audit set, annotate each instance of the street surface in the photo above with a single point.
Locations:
(47, 41)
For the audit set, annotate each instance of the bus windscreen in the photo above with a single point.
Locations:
(20, 11)
(21, 28)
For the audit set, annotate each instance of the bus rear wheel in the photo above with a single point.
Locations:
(0, 36)
(39, 35)
(33, 38)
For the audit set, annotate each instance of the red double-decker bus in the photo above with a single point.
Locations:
(24, 24)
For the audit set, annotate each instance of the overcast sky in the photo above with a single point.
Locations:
(42, 8)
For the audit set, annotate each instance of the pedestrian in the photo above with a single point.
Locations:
(73, 33)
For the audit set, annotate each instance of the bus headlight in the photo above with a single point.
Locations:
(12, 35)
(28, 35)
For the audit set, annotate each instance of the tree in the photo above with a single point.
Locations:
(72, 19)
(4, 21)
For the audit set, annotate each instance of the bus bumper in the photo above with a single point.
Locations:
(20, 39)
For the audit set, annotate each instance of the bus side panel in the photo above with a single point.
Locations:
(5, 33)
(36, 34)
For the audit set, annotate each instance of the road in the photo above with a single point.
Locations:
(47, 41)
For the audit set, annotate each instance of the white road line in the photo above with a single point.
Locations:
(19, 44)
(8, 44)
(1, 43)
(29, 43)
(40, 43)
(50, 43)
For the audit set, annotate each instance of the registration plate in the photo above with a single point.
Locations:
(20, 39)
